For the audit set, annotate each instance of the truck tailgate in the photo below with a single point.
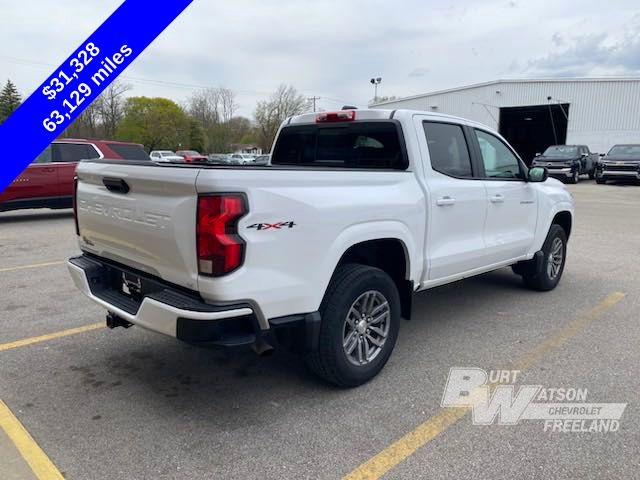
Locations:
(142, 216)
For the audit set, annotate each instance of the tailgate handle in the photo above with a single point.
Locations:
(116, 185)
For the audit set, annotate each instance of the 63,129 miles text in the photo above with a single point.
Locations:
(76, 98)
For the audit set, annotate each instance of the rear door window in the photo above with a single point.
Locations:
(371, 145)
(448, 149)
(129, 152)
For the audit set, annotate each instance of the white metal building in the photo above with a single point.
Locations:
(533, 114)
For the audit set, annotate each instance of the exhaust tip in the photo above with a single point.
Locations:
(262, 348)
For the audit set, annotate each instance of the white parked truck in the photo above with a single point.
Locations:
(322, 250)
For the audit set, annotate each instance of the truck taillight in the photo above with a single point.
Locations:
(75, 204)
(220, 248)
(335, 117)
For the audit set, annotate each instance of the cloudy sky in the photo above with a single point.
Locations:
(331, 48)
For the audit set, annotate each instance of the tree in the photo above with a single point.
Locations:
(283, 103)
(110, 106)
(203, 106)
(228, 104)
(87, 124)
(213, 109)
(196, 136)
(102, 118)
(10, 100)
(157, 123)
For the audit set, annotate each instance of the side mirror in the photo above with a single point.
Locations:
(585, 155)
(538, 174)
(538, 154)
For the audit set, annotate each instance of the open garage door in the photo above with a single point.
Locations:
(532, 129)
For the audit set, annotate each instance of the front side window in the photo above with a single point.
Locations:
(448, 149)
(499, 161)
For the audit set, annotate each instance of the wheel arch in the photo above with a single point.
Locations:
(390, 255)
(565, 220)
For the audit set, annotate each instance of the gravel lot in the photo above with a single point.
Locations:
(133, 404)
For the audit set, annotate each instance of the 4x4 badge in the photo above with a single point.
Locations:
(273, 226)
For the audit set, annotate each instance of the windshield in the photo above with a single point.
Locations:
(561, 151)
(188, 152)
(625, 151)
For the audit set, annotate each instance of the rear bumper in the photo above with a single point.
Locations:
(164, 308)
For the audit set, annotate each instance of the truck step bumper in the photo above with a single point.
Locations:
(163, 308)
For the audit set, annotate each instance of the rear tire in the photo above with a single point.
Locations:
(552, 267)
(360, 322)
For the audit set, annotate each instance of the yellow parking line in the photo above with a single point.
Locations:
(25, 267)
(42, 467)
(407, 445)
(50, 336)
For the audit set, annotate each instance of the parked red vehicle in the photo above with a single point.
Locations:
(48, 181)
(191, 156)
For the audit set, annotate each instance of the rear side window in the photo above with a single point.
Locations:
(372, 145)
(73, 152)
(45, 156)
(448, 149)
(129, 152)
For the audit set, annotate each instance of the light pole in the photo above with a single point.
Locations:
(375, 82)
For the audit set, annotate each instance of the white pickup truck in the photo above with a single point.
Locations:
(322, 250)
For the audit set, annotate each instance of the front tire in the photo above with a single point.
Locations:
(575, 178)
(601, 181)
(551, 268)
(360, 322)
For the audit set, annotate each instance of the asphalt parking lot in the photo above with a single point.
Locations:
(133, 404)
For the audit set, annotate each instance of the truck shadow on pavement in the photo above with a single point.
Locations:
(35, 216)
(164, 375)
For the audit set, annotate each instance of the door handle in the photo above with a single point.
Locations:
(116, 185)
(48, 170)
(497, 199)
(445, 201)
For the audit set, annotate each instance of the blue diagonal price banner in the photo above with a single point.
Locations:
(80, 79)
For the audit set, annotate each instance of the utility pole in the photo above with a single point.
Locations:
(375, 82)
(313, 100)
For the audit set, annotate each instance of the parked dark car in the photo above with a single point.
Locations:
(48, 181)
(621, 163)
(568, 162)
